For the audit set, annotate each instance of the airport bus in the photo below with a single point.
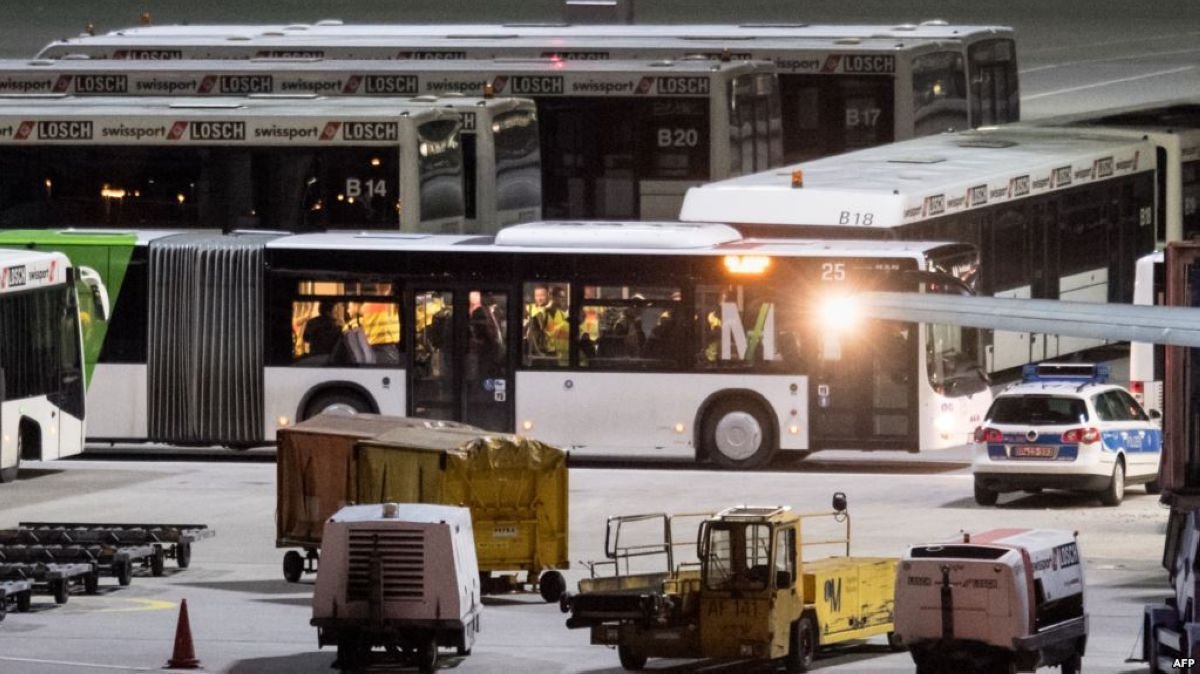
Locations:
(706, 344)
(666, 125)
(230, 163)
(1062, 215)
(42, 403)
(836, 95)
(988, 53)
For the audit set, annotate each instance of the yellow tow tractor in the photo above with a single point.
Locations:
(751, 596)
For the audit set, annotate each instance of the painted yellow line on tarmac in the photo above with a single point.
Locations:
(141, 605)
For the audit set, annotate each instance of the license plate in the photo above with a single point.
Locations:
(1034, 452)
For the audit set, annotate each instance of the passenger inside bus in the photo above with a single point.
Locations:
(323, 331)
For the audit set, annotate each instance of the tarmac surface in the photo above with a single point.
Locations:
(246, 619)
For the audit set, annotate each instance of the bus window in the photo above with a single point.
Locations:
(518, 161)
(587, 173)
(345, 324)
(440, 162)
(545, 327)
(1191, 199)
(825, 115)
(995, 99)
(743, 327)
(755, 127)
(939, 93)
(624, 327)
(31, 358)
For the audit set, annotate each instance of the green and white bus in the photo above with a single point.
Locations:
(42, 378)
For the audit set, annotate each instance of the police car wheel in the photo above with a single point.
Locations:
(985, 496)
(738, 434)
(1115, 492)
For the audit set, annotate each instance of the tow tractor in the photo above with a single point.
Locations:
(751, 596)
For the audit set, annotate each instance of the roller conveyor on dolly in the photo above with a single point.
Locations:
(53, 578)
(114, 548)
(18, 592)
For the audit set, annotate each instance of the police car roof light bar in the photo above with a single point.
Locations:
(1072, 372)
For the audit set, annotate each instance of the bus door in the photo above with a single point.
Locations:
(863, 393)
(589, 154)
(461, 369)
(1045, 283)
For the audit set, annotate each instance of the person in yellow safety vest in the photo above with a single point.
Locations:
(380, 323)
(558, 336)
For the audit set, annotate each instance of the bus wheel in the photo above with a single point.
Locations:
(738, 434)
(336, 402)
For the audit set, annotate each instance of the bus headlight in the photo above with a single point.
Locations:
(281, 422)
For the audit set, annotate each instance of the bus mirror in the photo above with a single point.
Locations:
(99, 292)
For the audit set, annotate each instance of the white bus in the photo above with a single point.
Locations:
(702, 343)
(667, 126)
(230, 163)
(837, 95)
(42, 400)
(988, 52)
(1174, 129)
(1055, 216)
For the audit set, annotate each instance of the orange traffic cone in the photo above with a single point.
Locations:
(184, 656)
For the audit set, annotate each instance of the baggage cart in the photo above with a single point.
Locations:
(515, 487)
(315, 478)
(18, 592)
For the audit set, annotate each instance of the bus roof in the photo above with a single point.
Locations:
(81, 237)
(224, 106)
(919, 179)
(450, 46)
(28, 269)
(1177, 119)
(934, 29)
(615, 238)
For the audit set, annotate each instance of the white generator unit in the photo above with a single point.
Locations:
(403, 577)
(1009, 598)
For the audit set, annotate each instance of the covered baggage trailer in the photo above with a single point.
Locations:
(399, 576)
(516, 488)
(315, 478)
(1009, 598)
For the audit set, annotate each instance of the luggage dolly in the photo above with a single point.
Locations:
(17, 592)
(49, 578)
(147, 544)
(99, 560)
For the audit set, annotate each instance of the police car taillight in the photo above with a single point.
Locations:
(1082, 436)
(983, 434)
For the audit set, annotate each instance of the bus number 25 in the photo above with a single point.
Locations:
(833, 271)
(356, 188)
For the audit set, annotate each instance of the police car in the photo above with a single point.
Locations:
(1065, 427)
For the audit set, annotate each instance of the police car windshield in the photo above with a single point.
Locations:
(1037, 409)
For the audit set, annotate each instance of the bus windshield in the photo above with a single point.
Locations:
(939, 93)
(441, 174)
(755, 125)
(518, 161)
(995, 98)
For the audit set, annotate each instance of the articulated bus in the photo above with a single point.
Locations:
(836, 95)
(988, 53)
(617, 139)
(705, 344)
(1054, 216)
(42, 382)
(230, 163)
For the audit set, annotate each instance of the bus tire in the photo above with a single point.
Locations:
(1115, 491)
(984, 496)
(738, 434)
(337, 401)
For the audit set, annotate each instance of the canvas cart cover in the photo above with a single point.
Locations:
(515, 487)
(315, 471)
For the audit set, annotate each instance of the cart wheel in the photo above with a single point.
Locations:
(1073, 664)
(462, 651)
(183, 555)
(293, 566)
(62, 591)
(122, 569)
(802, 645)
(427, 655)
(25, 601)
(3, 608)
(551, 586)
(158, 562)
(91, 583)
(895, 644)
(631, 660)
